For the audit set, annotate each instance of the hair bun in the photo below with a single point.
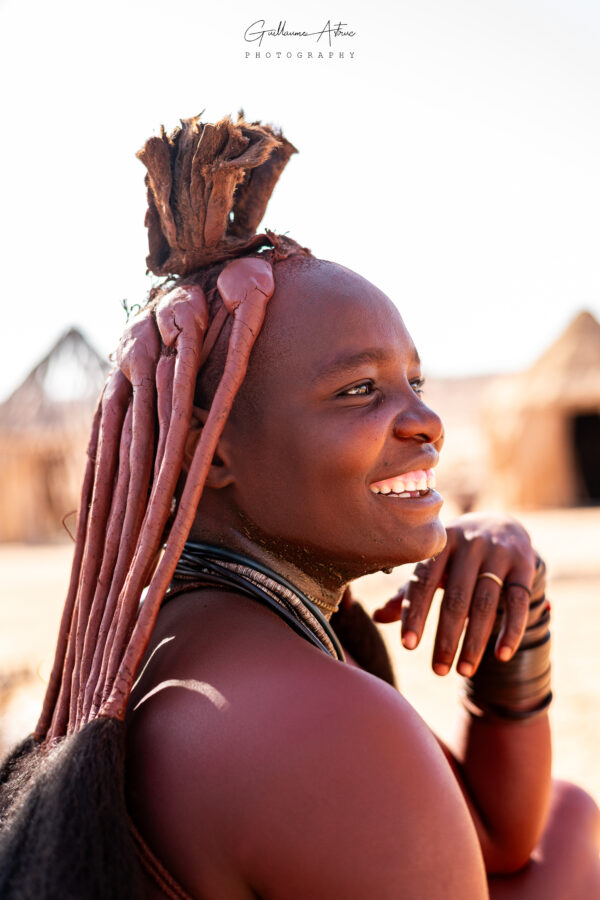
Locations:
(208, 188)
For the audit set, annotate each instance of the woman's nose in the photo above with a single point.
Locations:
(421, 423)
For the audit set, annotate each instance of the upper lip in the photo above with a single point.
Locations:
(423, 462)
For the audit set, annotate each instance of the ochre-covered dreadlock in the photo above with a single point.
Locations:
(208, 188)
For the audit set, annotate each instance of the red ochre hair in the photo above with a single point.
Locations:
(64, 826)
(208, 188)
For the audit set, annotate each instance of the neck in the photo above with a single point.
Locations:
(328, 591)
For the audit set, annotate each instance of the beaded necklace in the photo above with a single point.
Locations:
(204, 564)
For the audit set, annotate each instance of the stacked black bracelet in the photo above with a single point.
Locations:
(520, 688)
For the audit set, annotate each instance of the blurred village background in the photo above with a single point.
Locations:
(528, 443)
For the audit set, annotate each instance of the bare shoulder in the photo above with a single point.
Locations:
(317, 780)
(362, 803)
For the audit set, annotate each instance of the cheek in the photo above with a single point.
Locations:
(348, 452)
(297, 470)
(332, 451)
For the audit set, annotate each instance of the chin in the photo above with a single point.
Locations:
(435, 543)
(423, 543)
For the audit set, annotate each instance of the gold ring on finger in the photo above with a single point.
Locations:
(491, 575)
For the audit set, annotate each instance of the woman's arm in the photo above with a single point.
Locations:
(503, 769)
(502, 764)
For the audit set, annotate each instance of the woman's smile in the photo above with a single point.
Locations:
(418, 481)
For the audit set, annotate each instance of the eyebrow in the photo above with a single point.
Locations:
(346, 362)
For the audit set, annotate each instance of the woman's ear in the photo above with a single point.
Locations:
(219, 473)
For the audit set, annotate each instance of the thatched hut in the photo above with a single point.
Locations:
(44, 427)
(544, 425)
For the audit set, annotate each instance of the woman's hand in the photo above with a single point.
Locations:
(479, 546)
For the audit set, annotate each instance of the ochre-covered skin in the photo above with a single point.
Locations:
(331, 406)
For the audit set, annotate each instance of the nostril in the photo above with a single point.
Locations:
(434, 428)
(424, 426)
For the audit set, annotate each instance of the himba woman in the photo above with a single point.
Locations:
(261, 443)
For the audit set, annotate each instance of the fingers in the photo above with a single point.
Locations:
(418, 594)
(481, 614)
(412, 602)
(516, 600)
(486, 570)
(392, 611)
(466, 597)
(482, 605)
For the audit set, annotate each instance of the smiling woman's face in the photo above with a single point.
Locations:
(328, 420)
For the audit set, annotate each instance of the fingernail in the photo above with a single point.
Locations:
(409, 640)
(465, 668)
(504, 653)
(441, 668)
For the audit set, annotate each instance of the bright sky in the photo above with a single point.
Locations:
(454, 161)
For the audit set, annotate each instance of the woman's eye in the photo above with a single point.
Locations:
(417, 384)
(359, 390)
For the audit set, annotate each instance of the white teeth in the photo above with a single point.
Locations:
(403, 486)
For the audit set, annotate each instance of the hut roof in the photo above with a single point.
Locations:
(59, 391)
(576, 351)
(566, 375)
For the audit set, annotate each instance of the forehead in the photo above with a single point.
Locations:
(322, 313)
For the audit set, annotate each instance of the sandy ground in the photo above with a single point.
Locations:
(33, 582)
